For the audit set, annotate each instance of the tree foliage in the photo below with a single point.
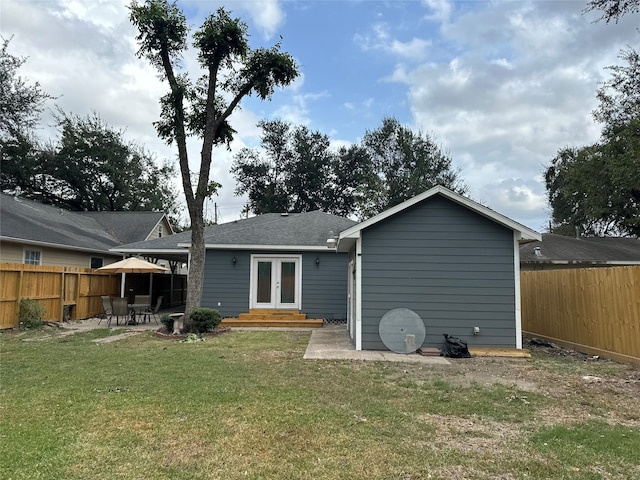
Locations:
(613, 9)
(405, 164)
(92, 167)
(596, 188)
(89, 167)
(232, 70)
(295, 169)
(21, 104)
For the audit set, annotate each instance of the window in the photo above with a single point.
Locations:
(32, 257)
(97, 262)
(159, 231)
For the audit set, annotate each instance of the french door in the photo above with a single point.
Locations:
(276, 281)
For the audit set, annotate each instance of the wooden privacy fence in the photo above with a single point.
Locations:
(593, 310)
(57, 288)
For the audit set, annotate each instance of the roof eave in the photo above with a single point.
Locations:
(231, 246)
(54, 245)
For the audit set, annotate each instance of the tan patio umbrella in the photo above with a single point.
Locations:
(131, 265)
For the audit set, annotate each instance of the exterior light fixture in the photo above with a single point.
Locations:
(317, 262)
(233, 260)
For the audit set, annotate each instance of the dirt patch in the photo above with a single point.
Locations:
(165, 334)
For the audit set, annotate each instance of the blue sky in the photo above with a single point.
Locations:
(500, 85)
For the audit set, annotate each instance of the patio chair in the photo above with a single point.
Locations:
(120, 309)
(108, 309)
(153, 312)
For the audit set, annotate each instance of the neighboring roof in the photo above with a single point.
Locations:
(348, 236)
(27, 221)
(557, 249)
(270, 231)
(128, 227)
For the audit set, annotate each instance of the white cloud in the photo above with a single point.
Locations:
(520, 86)
(380, 40)
(267, 15)
(440, 10)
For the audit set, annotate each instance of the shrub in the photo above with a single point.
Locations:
(30, 313)
(204, 319)
(167, 321)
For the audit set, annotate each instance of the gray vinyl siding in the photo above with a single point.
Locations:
(452, 266)
(226, 283)
(324, 287)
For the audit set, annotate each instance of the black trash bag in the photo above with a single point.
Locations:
(454, 347)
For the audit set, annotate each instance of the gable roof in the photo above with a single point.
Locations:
(128, 227)
(30, 222)
(269, 231)
(558, 249)
(277, 230)
(525, 234)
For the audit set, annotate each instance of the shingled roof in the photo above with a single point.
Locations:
(28, 221)
(127, 227)
(308, 230)
(558, 249)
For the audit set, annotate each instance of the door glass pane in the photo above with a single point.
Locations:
(288, 282)
(264, 282)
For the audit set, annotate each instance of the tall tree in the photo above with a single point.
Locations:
(21, 104)
(596, 189)
(406, 164)
(232, 70)
(264, 177)
(92, 167)
(295, 169)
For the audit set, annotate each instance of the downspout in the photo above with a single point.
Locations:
(516, 277)
(358, 308)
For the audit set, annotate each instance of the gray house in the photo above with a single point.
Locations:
(453, 262)
(275, 261)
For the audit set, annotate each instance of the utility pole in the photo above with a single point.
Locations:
(215, 213)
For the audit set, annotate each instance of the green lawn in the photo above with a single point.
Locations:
(245, 405)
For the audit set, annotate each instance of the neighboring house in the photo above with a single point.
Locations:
(38, 234)
(558, 252)
(453, 262)
(273, 261)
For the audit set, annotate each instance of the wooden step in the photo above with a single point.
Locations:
(272, 316)
(273, 311)
(272, 322)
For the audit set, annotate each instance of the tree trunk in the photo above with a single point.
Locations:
(196, 269)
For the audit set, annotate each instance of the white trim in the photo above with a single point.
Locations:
(230, 246)
(53, 245)
(145, 251)
(35, 250)
(252, 276)
(516, 278)
(595, 263)
(359, 293)
(525, 233)
(351, 265)
(155, 228)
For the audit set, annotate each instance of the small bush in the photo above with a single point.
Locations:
(204, 319)
(167, 321)
(30, 313)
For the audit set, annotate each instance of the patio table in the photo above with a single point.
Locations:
(135, 309)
